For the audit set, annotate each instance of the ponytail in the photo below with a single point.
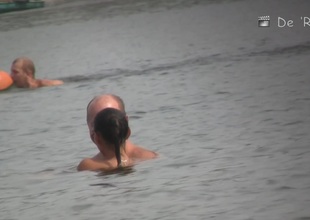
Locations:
(113, 127)
(117, 150)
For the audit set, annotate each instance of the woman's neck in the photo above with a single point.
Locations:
(109, 153)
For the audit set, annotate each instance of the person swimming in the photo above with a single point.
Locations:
(133, 151)
(23, 75)
(111, 132)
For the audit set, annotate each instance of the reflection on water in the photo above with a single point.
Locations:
(122, 171)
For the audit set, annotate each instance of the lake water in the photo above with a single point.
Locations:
(225, 103)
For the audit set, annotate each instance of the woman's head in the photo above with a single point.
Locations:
(112, 126)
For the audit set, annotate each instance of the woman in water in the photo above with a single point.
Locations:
(111, 132)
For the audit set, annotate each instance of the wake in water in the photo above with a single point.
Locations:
(298, 49)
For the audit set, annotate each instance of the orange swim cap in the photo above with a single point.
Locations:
(5, 80)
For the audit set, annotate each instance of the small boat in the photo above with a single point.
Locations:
(18, 5)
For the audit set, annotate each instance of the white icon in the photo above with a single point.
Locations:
(264, 21)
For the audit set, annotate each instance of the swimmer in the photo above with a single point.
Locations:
(133, 151)
(23, 75)
(111, 131)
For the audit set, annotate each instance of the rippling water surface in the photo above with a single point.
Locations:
(226, 105)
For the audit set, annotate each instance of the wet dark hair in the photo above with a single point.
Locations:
(113, 127)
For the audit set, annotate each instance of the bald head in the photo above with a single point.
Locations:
(101, 102)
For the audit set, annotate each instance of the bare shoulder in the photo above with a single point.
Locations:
(48, 82)
(85, 164)
(142, 153)
(93, 165)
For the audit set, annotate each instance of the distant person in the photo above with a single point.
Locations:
(23, 75)
(133, 151)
